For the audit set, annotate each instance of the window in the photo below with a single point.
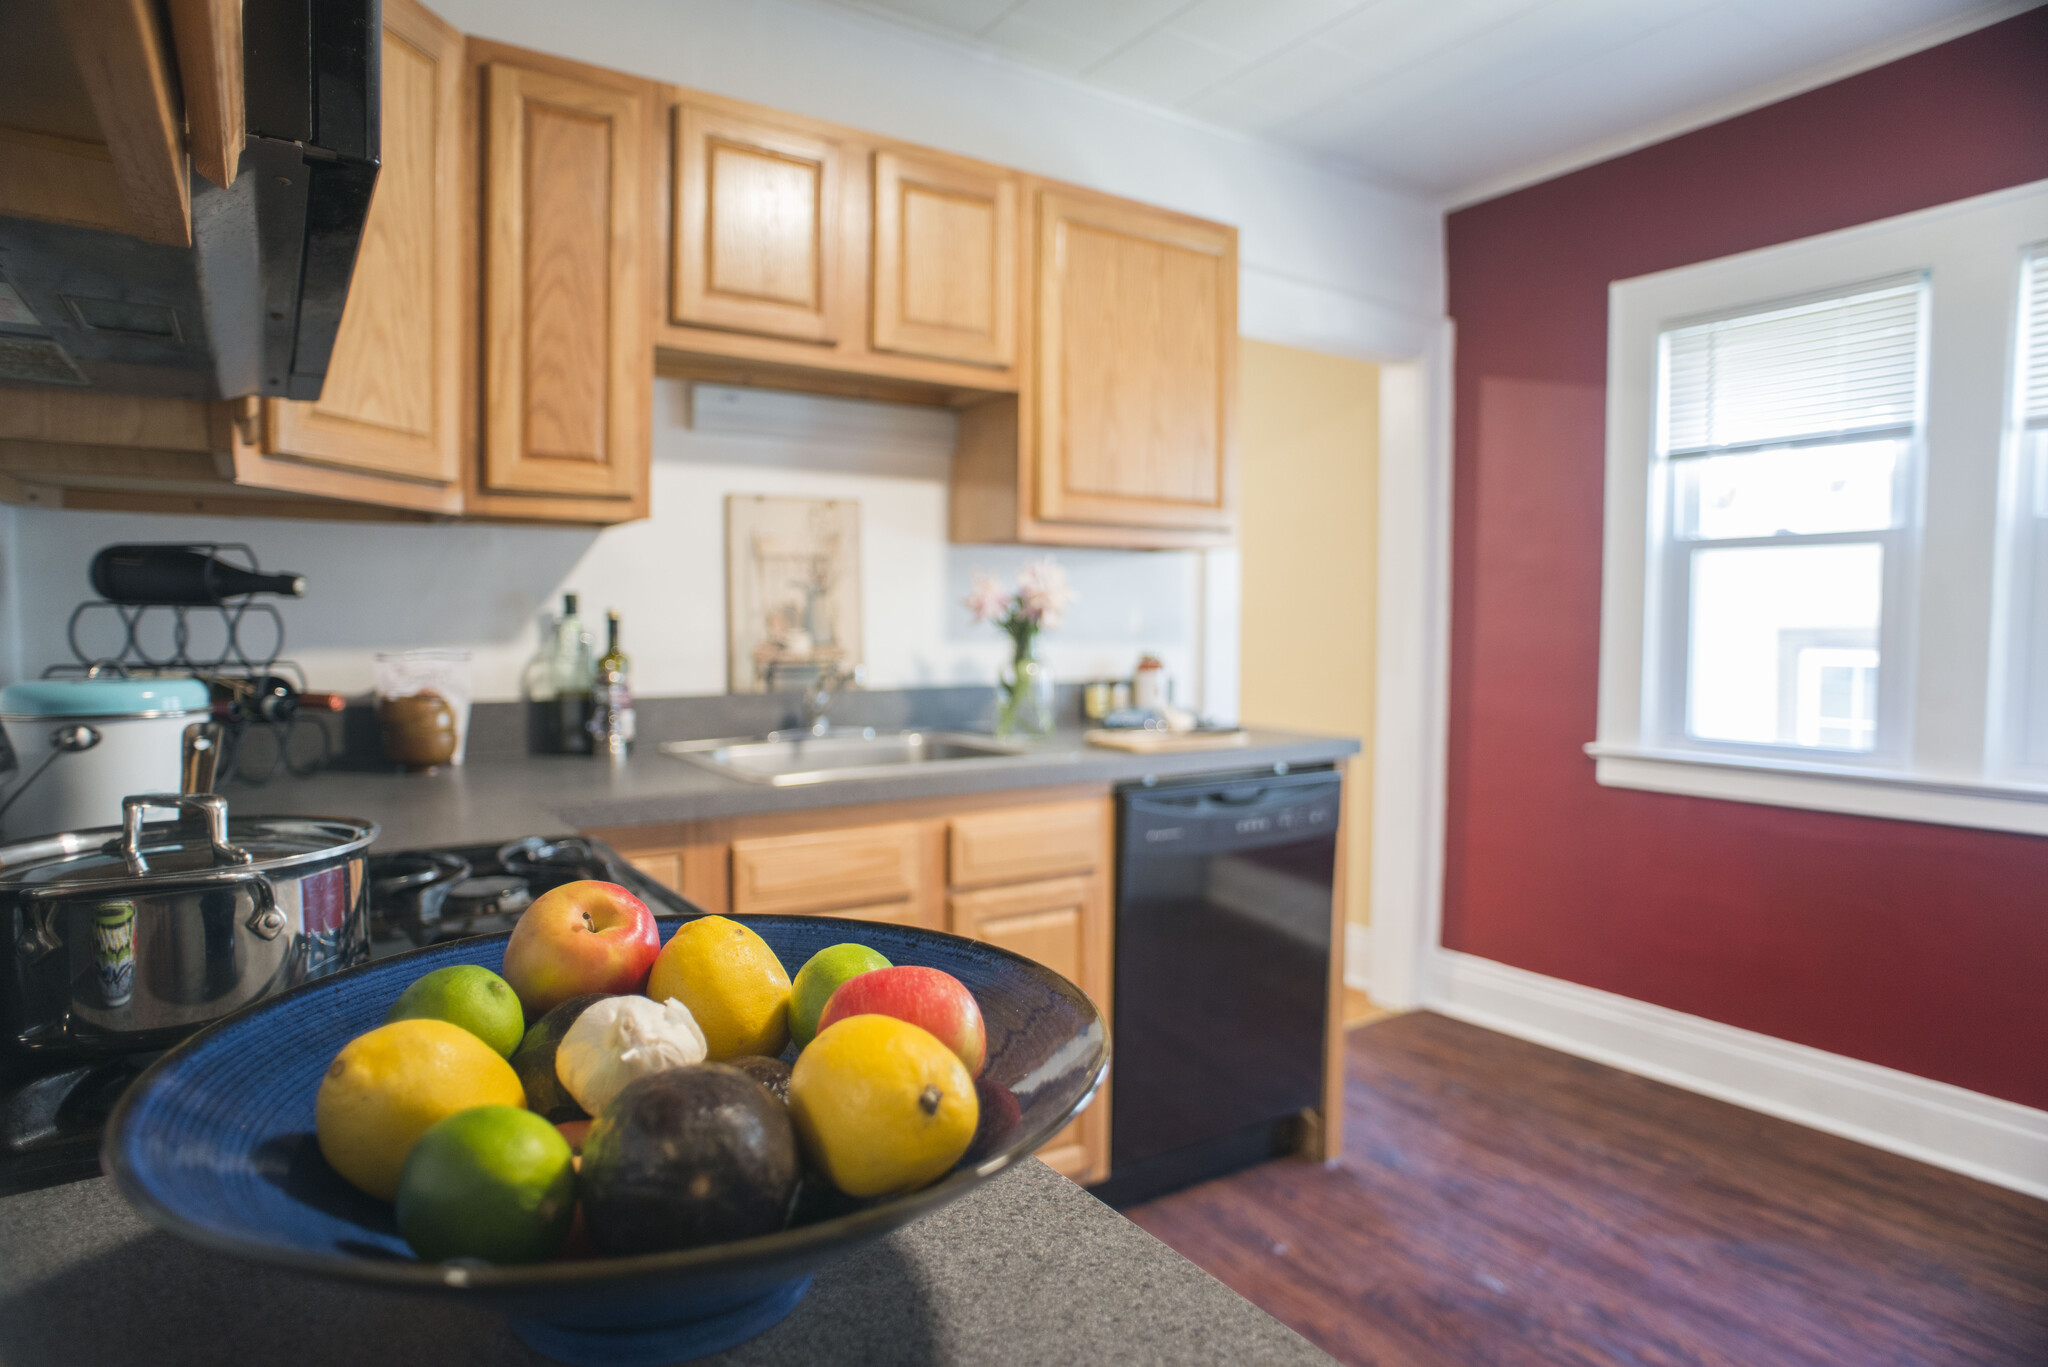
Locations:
(1825, 580)
(2025, 714)
(1785, 444)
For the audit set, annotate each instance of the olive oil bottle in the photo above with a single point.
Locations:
(611, 697)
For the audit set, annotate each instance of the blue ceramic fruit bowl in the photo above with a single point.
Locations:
(215, 1143)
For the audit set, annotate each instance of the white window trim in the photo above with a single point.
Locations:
(1971, 252)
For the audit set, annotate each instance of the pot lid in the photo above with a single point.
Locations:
(102, 697)
(97, 860)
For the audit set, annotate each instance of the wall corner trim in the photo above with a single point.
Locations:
(1950, 1127)
(1357, 950)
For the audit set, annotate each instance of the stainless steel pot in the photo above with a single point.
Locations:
(128, 938)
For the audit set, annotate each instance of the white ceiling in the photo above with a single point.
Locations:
(1453, 98)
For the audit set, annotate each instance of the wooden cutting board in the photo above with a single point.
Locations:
(1164, 742)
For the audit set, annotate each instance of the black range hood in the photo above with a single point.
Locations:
(253, 305)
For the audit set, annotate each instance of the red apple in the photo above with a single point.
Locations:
(925, 997)
(577, 938)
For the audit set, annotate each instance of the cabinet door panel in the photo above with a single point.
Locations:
(392, 402)
(1043, 921)
(945, 259)
(1137, 314)
(1057, 922)
(665, 867)
(565, 169)
(566, 357)
(756, 232)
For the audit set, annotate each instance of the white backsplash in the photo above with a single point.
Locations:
(375, 586)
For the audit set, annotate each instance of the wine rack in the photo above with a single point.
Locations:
(233, 646)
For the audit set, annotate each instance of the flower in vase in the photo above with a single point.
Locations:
(990, 601)
(1043, 593)
(1039, 603)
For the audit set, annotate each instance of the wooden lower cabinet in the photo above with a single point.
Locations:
(1062, 923)
(1033, 877)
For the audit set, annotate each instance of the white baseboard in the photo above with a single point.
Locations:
(1935, 1122)
(1357, 957)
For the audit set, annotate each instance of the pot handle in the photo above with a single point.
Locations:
(213, 808)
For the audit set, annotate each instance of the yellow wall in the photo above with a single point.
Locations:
(1308, 515)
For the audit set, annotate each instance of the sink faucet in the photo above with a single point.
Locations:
(817, 698)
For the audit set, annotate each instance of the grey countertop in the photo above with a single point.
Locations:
(1025, 1269)
(504, 797)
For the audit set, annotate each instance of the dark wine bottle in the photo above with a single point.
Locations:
(268, 698)
(181, 575)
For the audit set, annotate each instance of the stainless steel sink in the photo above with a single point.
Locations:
(792, 757)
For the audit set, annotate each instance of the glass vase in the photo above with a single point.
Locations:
(1024, 701)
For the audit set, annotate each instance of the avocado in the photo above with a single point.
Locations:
(534, 1061)
(688, 1156)
(771, 1073)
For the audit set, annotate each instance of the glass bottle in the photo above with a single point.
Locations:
(611, 697)
(537, 686)
(571, 673)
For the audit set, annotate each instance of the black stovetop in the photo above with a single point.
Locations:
(53, 1109)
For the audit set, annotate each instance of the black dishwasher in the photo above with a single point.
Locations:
(1222, 970)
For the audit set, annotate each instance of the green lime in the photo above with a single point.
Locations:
(817, 980)
(492, 1182)
(470, 996)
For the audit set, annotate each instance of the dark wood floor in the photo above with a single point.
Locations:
(1502, 1203)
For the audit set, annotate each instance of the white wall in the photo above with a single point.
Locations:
(380, 587)
(1330, 260)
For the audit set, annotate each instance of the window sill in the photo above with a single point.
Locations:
(1892, 794)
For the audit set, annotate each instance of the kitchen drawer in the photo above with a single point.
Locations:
(1014, 844)
(821, 871)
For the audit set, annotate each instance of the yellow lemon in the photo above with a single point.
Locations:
(881, 1106)
(731, 981)
(387, 1088)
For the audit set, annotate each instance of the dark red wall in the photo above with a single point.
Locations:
(1920, 947)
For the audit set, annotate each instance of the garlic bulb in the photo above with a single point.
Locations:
(622, 1038)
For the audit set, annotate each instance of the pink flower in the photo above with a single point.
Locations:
(1043, 593)
(988, 602)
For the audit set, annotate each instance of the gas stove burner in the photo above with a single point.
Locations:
(423, 897)
(499, 895)
(408, 892)
(564, 860)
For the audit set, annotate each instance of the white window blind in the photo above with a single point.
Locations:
(1825, 369)
(2034, 378)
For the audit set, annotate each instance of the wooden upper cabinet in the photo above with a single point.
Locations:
(1136, 375)
(944, 259)
(755, 241)
(567, 359)
(392, 406)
